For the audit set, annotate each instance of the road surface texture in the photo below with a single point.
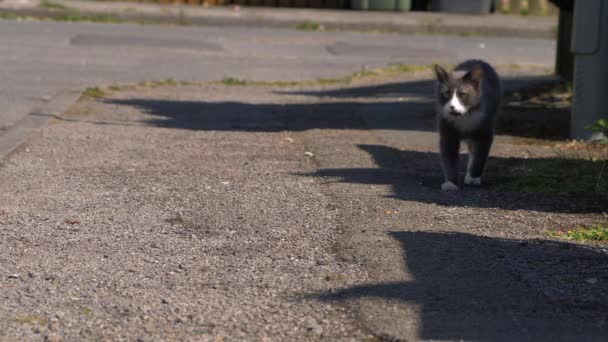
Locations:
(258, 213)
(253, 16)
(45, 65)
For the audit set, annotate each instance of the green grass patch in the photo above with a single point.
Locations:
(601, 127)
(403, 68)
(562, 175)
(310, 26)
(67, 15)
(103, 92)
(468, 34)
(73, 16)
(119, 87)
(52, 5)
(169, 82)
(391, 70)
(86, 311)
(597, 232)
(233, 81)
(8, 15)
(31, 319)
(95, 92)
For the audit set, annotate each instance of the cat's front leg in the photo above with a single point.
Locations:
(449, 150)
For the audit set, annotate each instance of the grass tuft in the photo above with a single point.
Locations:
(391, 70)
(31, 319)
(233, 81)
(52, 5)
(562, 175)
(73, 16)
(95, 92)
(8, 15)
(597, 232)
(310, 26)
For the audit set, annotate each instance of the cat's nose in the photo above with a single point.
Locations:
(452, 108)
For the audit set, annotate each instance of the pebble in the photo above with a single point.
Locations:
(54, 337)
(314, 327)
(591, 281)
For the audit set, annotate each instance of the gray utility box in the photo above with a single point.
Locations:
(590, 48)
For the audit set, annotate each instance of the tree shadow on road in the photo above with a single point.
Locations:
(416, 176)
(273, 117)
(491, 289)
(419, 88)
(395, 106)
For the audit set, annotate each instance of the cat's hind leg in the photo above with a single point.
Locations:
(449, 150)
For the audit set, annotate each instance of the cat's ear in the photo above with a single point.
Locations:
(442, 75)
(474, 76)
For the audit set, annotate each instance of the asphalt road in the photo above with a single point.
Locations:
(224, 213)
(41, 61)
(119, 216)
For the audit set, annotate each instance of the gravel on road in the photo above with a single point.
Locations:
(254, 213)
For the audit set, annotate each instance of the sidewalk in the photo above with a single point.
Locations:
(405, 22)
(141, 217)
(220, 212)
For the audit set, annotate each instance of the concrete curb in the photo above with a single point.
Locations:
(18, 133)
(397, 22)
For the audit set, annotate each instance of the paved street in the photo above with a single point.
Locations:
(252, 213)
(42, 60)
(271, 213)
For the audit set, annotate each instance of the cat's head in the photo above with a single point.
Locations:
(458, 96)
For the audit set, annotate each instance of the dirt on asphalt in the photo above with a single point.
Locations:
(251, 213)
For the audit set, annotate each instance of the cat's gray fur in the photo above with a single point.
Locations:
(467, 108)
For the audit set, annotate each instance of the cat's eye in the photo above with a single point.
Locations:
(462, 94)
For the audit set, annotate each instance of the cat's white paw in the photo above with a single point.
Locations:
(468, 180)
(449, 186)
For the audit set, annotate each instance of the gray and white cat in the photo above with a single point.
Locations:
(467, 108)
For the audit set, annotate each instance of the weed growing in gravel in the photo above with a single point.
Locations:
(563, 175)
(310, 26)
(31, 319)
(391, 70)
(66, 13)
(233, 81)
(101, 92)
(165, 83)
(597, 232)
(52, 5)
(69, 16)
(74, 16)
(95, 92)
(8, 15)
(600, 126)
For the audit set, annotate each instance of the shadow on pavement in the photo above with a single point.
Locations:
(424, 87)
(416, 176)
(490, 289)
(395, 106)
(240, 116)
